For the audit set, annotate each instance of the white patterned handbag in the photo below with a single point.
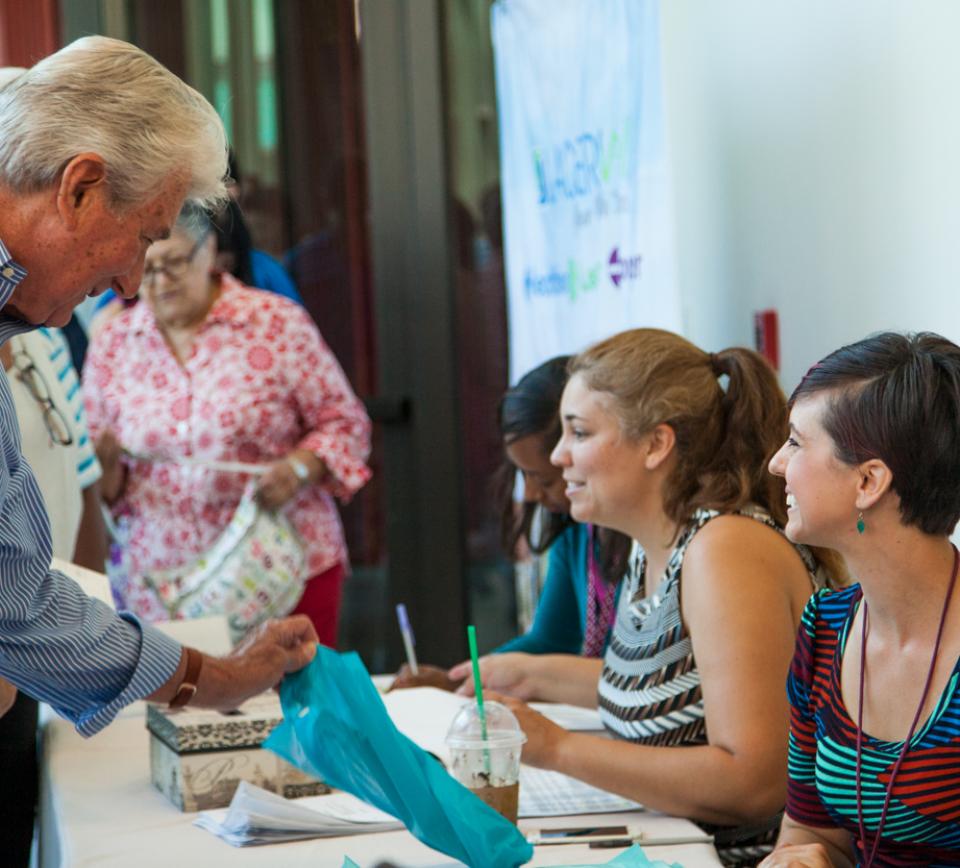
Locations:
(254, 571)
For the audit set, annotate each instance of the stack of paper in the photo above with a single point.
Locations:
(552, 794)
(257, 816)
(571, 717)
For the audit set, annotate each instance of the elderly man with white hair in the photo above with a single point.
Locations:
(99, 147)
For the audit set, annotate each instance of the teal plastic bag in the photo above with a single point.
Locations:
(632, 858)
(336, 727)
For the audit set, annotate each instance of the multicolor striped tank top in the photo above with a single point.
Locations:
(649, 691)
(923, 820)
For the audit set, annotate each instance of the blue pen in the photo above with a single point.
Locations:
(407, 633)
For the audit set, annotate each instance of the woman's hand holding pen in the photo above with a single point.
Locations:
(427, 676)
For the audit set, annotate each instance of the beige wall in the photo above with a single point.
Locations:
(816, 157)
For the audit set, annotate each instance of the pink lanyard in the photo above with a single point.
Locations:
(600, 611)
(870, 853)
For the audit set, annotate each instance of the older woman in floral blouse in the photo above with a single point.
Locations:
(209, 370)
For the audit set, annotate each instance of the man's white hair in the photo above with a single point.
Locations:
(108, 97)
(9, 73)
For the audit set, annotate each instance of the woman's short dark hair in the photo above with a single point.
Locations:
(233, 236)
(897, 398)
(532, 409)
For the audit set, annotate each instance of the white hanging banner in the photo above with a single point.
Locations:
(588, 227)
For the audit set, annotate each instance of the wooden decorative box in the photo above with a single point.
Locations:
(198, 757)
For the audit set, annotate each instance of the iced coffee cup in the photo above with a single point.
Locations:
(490, 766)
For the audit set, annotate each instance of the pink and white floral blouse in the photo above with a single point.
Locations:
(260, 382)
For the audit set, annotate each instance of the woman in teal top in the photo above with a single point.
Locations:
(579, 596)
(559, 626)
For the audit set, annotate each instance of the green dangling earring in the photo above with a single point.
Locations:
(861, 524)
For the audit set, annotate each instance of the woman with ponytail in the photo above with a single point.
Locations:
(669, 444)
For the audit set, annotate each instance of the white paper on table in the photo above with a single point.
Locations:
(382, 682)
(424, 714)
(551, 794)
(571, 717)
(257, 816)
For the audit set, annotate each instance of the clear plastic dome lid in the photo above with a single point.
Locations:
(503, 728)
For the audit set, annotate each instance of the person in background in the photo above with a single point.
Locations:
(56, 442)
(236, 255)
(219, 372)
(872, 469)
(576, 609)
(658, 446)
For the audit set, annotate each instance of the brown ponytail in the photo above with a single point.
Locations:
(725, 436)
(753, 426)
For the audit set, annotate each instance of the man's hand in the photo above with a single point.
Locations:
(8, 695)
(258, 663)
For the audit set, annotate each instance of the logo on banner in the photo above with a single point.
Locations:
(623, 268)
(577, 280)
(584, 164)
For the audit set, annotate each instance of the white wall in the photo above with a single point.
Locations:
(816, 160)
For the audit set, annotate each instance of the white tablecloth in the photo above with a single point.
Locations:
(99, 809)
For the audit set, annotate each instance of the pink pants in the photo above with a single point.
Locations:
(321, 603)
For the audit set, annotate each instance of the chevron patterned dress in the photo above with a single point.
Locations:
(923, 820)
(649, 691)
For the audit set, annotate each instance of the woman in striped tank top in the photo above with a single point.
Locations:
(669, 444)
(872, 468)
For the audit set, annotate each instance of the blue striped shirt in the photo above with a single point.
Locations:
(56, 643)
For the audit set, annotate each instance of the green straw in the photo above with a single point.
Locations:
(478, 690)
(477, 685)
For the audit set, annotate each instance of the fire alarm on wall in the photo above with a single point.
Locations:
(766, 336)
